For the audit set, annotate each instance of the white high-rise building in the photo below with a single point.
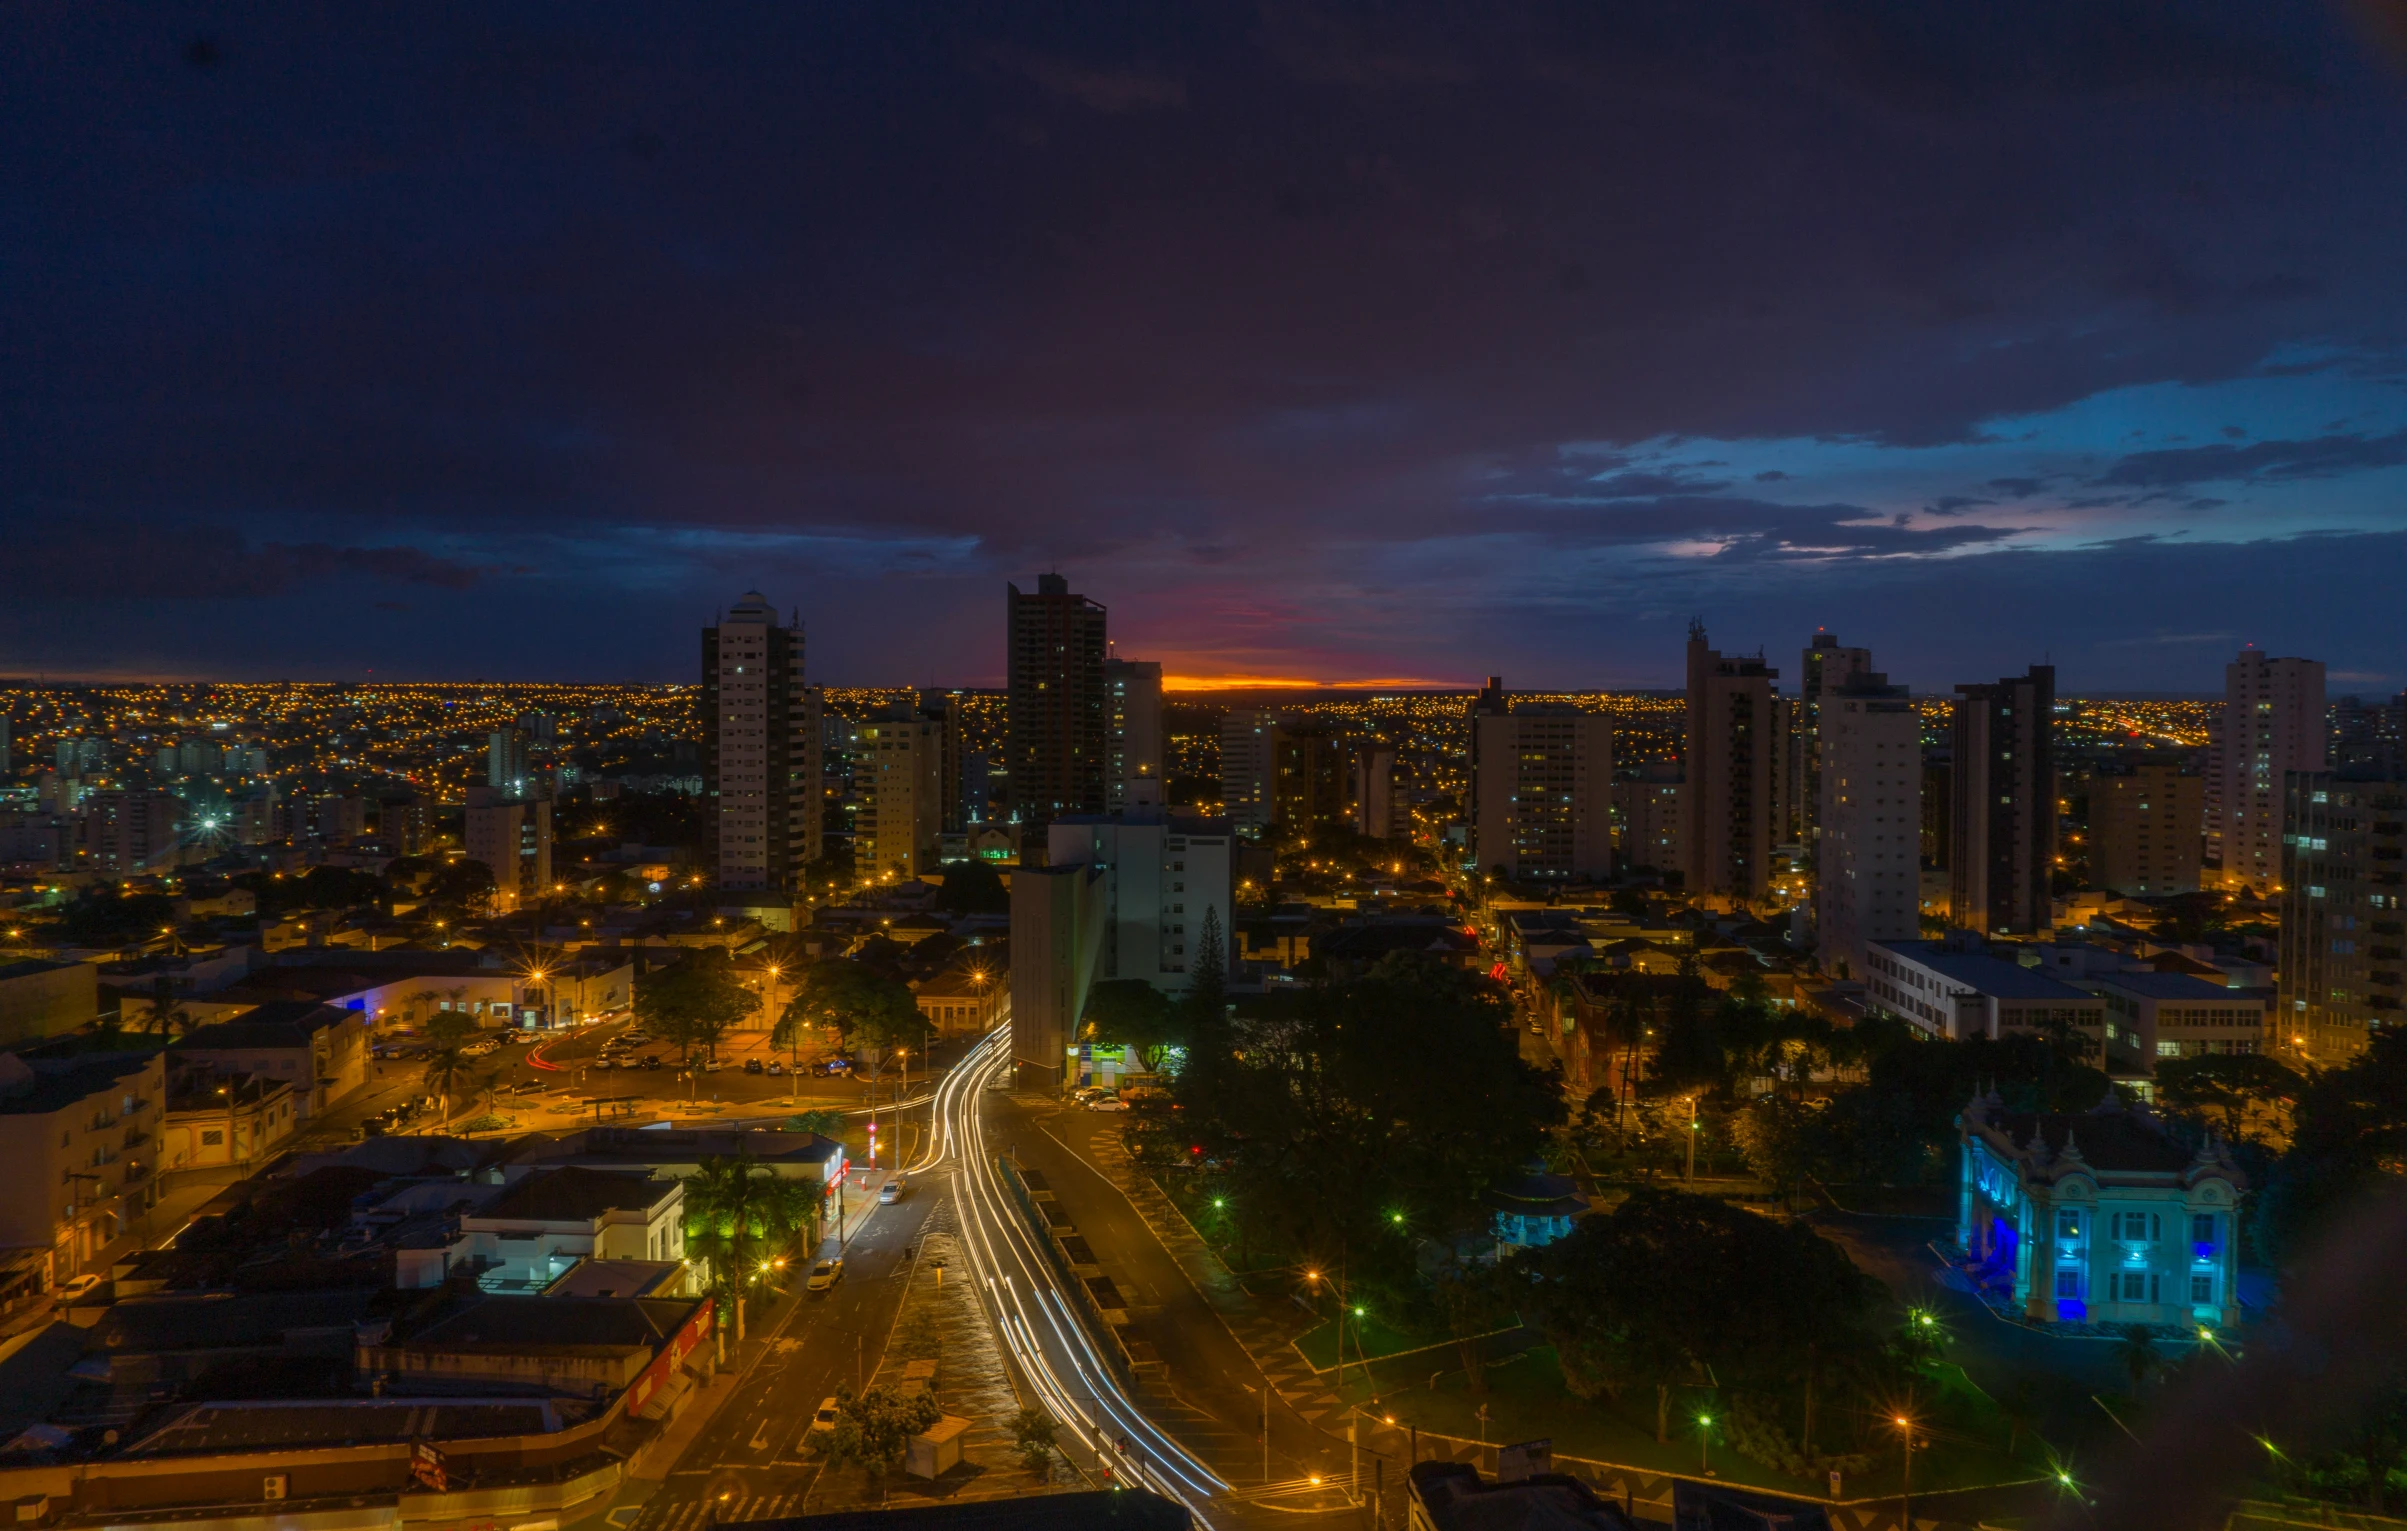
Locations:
(1162, 872)
(2273, 724)
(1868, 872)
(1132, 691)
(760, 749)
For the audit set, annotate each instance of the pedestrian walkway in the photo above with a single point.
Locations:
(943, 1340)
(1268, 1338)
(694, 1514)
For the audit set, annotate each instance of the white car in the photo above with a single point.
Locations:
(892, 1191)
(77, 1287)
(825, 1275)
(825, 1419)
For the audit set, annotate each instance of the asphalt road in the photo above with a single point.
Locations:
(748, 1462)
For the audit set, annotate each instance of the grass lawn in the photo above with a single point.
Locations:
(1526, 1399)
(1367, 1337)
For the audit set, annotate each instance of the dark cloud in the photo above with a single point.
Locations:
(2317, 457)
(890, 306)
(1953, 504)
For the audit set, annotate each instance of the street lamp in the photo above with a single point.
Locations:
(1705, 1444)
(1905, 1498)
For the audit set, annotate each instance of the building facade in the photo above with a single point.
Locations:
(898, 779)
(2343, 886)
(2146, 834)
(1380, 811)
(760, 750)
(1823, 669)
(2273, 725)
(1956, 990)
(132, 833)
(1059, 728)
(1249, 766)
(2002, 839)
(79, 1134)
(1133, 737)
(2100, 1218)
(1542, 789)
(1867, 861)
(1731, 752)
(1648, 807)
(512, 836)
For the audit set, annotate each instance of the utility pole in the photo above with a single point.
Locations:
(1691, 1174)
(1266, 1434)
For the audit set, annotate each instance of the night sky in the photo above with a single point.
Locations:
(1379, 342)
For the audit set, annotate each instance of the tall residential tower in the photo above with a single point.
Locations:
(760, 750)
(1058, 739)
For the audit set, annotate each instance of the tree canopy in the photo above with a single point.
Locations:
(1670, 1289)
(1355, 1119)
(1129, 1012)
(972, 887)
(696, 1002)
(868, 1007)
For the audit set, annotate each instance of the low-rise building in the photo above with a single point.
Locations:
(79, 1136)
(1955, 989)
(960, 1004)
(531, 1234)
(2177, 1015)
(2098, 1217)
(319, 1050)
(215, 1119)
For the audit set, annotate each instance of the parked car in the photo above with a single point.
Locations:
(1107, 1103)
(78, 1286)
(825, 1419)
(752, 1065)
(892, 1191)
(825, 1275)
(776, 1067)
(714, 1065)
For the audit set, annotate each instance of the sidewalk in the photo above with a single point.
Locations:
(1267, 1338)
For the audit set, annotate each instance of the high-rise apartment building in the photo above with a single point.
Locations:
(898, 781)
(942, 709)
(2144, 829)
(1133, 732)
(2273, 724)
(1648, 808)
(2344, 912)
(2002, 835)
(1380, 811)
(506, 761)
(1868, 868)
(1542, 793)
(1311, 781)
(1058, 734)
(1249, 766)
(130, 833)
(760, 749)
(1731, 750)
(512, 836)
(1825, 667)
(2365, 736)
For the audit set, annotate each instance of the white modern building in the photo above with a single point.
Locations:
(1956, 990)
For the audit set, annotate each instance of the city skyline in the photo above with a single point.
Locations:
(1407, 349)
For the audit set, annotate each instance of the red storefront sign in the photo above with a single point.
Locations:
(664, 1365)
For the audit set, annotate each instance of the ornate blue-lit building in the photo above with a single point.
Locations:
(2098, 1217)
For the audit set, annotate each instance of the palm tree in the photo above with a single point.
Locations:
(735, 1209)
(2139, 1355)
(450, 1071)
(167, 1016)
